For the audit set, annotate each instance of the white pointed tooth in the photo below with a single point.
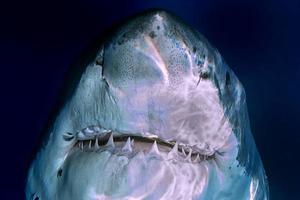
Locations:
(127, 146)
(154, 148)
(132, 142)
(81, 145)
(197, 159)
(174, 152)
(96, 146)
(110, 141)
(90, 144)
(183, 151)
(188, 157)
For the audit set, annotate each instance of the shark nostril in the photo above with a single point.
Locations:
(204, 74)
(152, 34)
(59, 173)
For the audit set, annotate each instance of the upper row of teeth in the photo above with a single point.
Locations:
(128, 148)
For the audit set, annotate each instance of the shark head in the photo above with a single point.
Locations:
(156, 114)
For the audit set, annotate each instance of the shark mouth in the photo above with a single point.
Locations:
(114, 165)
(98, 139)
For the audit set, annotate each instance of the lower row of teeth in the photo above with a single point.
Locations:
(128, 148)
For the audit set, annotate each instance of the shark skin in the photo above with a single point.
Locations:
(156, 114)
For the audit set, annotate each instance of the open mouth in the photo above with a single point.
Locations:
(98, 139)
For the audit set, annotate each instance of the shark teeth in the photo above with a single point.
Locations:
(174, 152)
(110, 141)
(154, 148)
(106, 141)
(197, 159)
(177, 151)
(96, 146)
(183, 151)
(127, 147)
(90, 144)
(189, 156)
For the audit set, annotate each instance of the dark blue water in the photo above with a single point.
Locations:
(258, 39)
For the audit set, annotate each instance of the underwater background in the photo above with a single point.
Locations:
(259, 40)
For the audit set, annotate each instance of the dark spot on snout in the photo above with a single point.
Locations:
(204, 75)
(152, 34)
(59, 173)
(194, 49)
(158, 27)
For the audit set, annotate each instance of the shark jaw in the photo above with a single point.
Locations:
(127, 166)
(157, 114)
(129, 171)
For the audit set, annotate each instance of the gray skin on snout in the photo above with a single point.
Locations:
(157, 81)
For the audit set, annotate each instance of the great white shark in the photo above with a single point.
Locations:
(156, 114)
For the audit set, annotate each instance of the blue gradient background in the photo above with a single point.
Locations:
(260, 40)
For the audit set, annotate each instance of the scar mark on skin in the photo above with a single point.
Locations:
(158, 59)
